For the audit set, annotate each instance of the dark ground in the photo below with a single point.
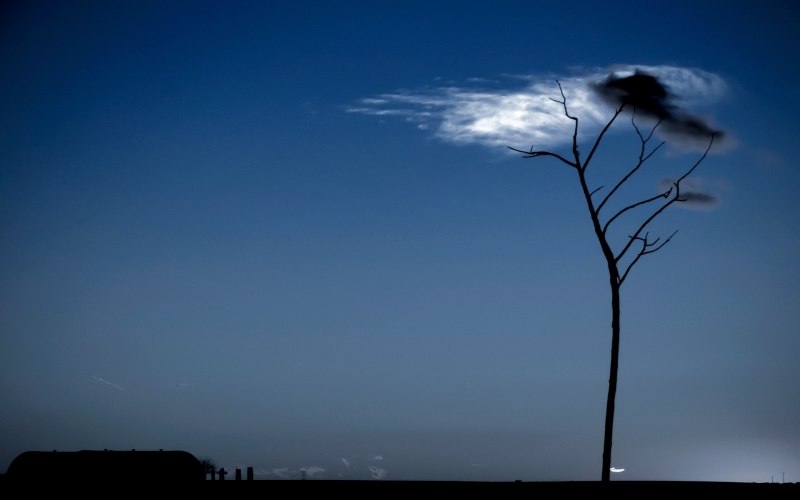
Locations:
(571, 490)
(513, 489)
(566, 489)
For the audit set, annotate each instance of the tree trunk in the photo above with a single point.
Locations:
(612, 378)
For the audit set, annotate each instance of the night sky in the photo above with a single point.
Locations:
(289, 235)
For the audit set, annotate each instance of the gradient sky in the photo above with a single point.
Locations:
(288, 234)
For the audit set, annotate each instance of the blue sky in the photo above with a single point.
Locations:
(289, 234)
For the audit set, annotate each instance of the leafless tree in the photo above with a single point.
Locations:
(209, 466)
(644, 95)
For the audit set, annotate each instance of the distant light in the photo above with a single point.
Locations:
(614, 469)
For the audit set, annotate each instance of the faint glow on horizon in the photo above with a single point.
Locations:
(745, 460)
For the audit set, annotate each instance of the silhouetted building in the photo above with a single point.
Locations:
(117, 466)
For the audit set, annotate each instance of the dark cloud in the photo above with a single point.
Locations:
(649, 97)
(640, 90)
(697, 198)
(692, 193)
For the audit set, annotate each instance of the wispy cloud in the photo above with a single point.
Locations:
(377, 472)
(107, 382)
(519, 111)
(281, 472)
(311, 470)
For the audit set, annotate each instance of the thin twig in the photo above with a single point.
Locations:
(600, 137)
(575, 152)
(647, 248)
(642, 159)
(674, 199)
(534, 154)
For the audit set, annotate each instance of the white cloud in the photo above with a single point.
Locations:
(377, 472)
(525, 116)
(692, 87)
(311, 470)
(281, 472)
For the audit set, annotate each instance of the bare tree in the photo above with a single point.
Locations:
(209, 466)
(644, 95)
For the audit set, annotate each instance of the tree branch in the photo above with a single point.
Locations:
(647, 248)
(644, 225)
(657, 248)
(642, 158)
(600, 137)
(676, 198)
(639, 133)
(634, 205)
(575, 152)
(534, 154)
(698, 162)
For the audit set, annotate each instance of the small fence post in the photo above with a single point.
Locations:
(249, 473)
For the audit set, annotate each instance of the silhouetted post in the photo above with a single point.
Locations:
(249, 473)
(222, 473)
(213, 473)
(238, 476)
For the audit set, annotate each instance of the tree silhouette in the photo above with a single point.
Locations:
(209, 466)
(643, 95)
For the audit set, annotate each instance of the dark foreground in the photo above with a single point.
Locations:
(757, 490)
(359, 489)
(180, 471)
(577, 489)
